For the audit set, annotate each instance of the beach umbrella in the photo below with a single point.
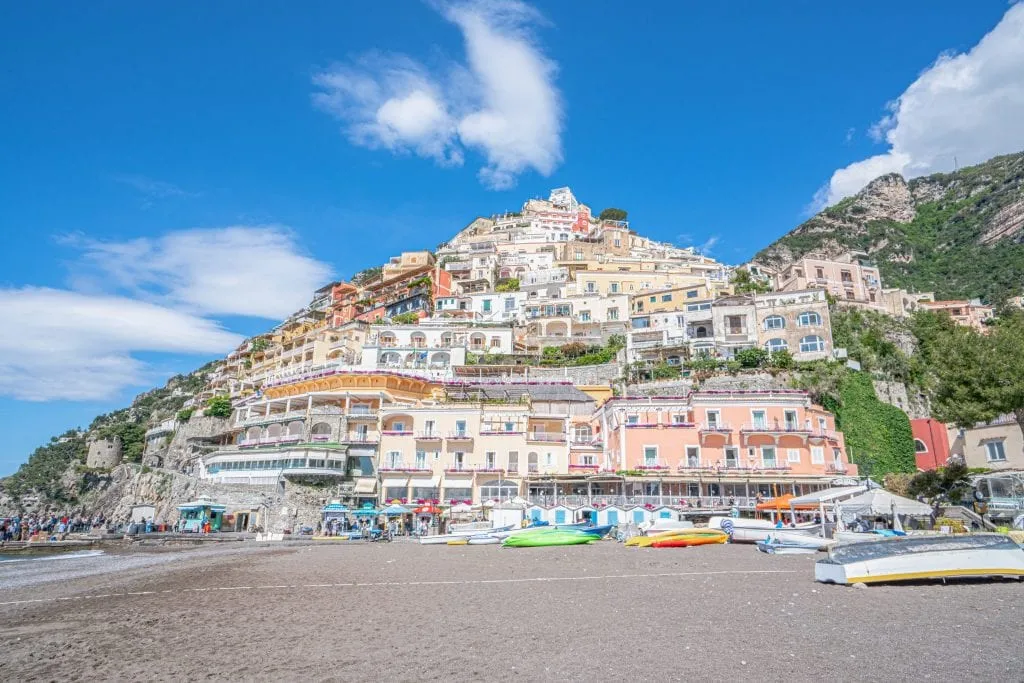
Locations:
(461, 507)
(395, 510)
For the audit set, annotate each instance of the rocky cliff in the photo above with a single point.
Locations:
(958, 234)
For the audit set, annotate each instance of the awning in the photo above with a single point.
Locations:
(827, 496)
(394, 479)
(882, 502)
(425, 482)
(366, 485)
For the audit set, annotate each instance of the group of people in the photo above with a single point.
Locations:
(393, 526)
(53, 526)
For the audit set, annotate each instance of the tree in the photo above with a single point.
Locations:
(781, 359)
(218, 406)
(612, 214)
(1007, 391)
(752, 358)
(509, 285)
(946, 484)
(574, 349)
(405, 318)
(744, 283)
(185, 414)
(259, 344)
(365, 276)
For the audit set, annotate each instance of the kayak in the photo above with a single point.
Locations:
(647, 541)
(601, 531)
(541, 538)
(687, 541)
(482, 540)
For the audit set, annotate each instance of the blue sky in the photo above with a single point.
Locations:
(312, 144)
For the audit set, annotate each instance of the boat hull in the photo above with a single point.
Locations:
(922, 558)
(754, 530)
(549, 538)
(647, 541)
(688, 541)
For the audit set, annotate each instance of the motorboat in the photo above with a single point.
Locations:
(442, 539)
(661, 525)
(915, 558)
(865, 536)
(747, 530)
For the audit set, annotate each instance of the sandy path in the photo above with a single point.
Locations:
(406, 612)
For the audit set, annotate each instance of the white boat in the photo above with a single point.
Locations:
(483, 540)
(916, 558)
(864, 536)
(746, 530)
(461, 534)
(781, 539)
(660, 525)
(775, 548)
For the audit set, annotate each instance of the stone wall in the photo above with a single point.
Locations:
(896, 394)
(189, 439)
(583, 375)
(668, 387)
(104, 453)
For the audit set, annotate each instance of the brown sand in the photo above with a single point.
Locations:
(484, 613)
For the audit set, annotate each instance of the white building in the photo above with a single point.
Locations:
(432, 345)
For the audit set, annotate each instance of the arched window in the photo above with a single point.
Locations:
(701, 332)
(775, 345)
(919, 446)
(295, 428)
(775, 322)
(531, 462)
(252, 434)
(582, 433)
(812, 343)
(418, 340)
(274, 431)
(808, 319)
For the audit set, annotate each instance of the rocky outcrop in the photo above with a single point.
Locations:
(191, 439)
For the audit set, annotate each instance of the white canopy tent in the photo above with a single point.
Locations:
(828, 495)
(882, 502)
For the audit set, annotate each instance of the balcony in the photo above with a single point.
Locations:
(836, 468)
(715, 428)
(546, 437)
(776, 428)
(584, 467)
(428, 435)
(397, 432)
(360, 438)
(653, 466)
(460, 435)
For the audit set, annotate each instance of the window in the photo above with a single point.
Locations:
(919, 446)
(775, 345)
(768, 456)
(775, 322)
(692, 294)
(510, 427)
(712, 418)
(618, 242)
(513, 461)
(808, 319)
(679, 419)
(591, 287)
(837, 457)
(822, 425)
(585, 316)
(489, 459)
(650, 455)
(428, 428)
(632, 419)
(549, 460)
(845, 276)
(421, 460)
(394, 460)
(398, 426)
(460, 428)
(736, 324)
(793, 455)
(588, 460)
(698, 307)
(819, 273)
(510, 304)
(759, 419)
(817, 455)
(613, 288)
(811, 344)
(791, 421)
(460, 460)
(732, 457)
(613, 313)
(692, 456)
(579, 255)
(654, 299)
(995, 452)
(666, 297)
(487, 305)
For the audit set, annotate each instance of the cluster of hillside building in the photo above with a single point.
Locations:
(419, 381)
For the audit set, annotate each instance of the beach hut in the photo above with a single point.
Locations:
(193, 515)
(665, 512)
(536, 513)
(612, 515)
(333, 516)
(560, 514)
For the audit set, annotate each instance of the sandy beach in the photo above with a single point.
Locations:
(402, 611)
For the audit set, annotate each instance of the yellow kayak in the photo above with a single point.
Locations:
(646, 541)
(460, 541)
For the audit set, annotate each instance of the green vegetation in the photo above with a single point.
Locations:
(949, 484)
(509, 285)
(218, 406)
(367, 276)
(744, 283)
(577, 353)
(405, 318)
(941, 249)
(878, 436)
(132, 435)
(45, 467)
(185, 414)
(259, 344)
(613, 214)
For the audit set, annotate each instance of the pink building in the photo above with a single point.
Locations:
(733, 444)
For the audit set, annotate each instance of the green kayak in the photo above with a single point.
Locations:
(546, 537)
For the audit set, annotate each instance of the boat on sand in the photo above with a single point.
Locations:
(746, 530)
(648, 541)
(917, 558)
(688, 540)
(549, 537)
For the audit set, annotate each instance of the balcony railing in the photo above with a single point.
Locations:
(428, 435)
(546, 437)
(715, 427)
(776, 428)
(397, 432)
(361, 438)
(459, 435)
(836, 468)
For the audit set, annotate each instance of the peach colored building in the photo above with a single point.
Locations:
(851, 280)
(968, 313)
(729, 444)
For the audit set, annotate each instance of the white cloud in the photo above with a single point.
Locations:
(57, 344)
(242, 270)
(149, 295)
(708, 245)
(966, 106)
(152, 188)
(501, 102)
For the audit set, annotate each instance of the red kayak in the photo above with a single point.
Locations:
(687, 541)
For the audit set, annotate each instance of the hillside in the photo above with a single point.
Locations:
(958, 234)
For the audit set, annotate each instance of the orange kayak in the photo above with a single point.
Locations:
(687, 541)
